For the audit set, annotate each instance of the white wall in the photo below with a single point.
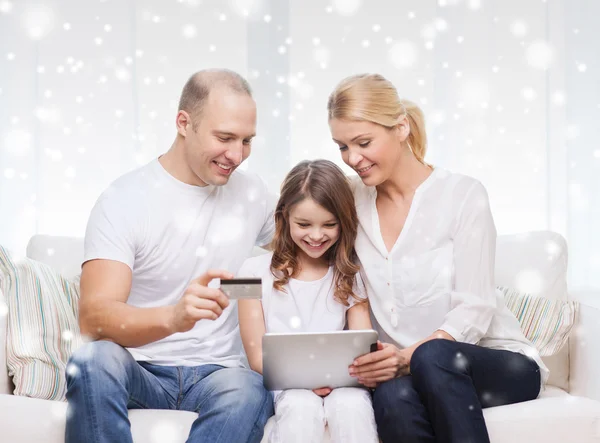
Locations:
(511, 90)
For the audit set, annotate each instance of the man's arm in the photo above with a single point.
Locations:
(105, 315)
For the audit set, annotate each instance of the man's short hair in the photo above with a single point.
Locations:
(197, 88)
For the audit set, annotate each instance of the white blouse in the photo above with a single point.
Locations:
(439, 275)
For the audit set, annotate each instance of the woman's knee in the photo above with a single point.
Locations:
(435, 354)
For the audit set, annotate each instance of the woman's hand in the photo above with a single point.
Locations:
(386, 363)
(322, 392)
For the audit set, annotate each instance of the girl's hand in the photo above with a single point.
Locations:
(322, 392)
(386, 363)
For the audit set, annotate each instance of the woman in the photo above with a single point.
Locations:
(426, 241)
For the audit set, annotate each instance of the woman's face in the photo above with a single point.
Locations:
(372, 150)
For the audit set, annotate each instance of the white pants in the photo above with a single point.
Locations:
(301, 416)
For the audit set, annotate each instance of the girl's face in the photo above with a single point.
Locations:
(313, 228)
(372, 150)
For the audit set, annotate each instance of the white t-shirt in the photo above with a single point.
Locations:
(440, 272)
(170, 233)
(308, 306)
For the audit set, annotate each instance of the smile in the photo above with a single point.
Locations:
(363, 170)
(315, 245)
(225, 169)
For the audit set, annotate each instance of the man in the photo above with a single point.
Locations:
(163, 338)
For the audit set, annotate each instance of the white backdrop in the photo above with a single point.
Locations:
(510, 88)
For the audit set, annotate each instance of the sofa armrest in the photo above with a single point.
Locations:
(6, 386)
(584, 346)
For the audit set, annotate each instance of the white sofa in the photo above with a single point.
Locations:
(568, 411)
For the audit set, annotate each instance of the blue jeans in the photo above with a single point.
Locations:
(104, 381)
(451, 382)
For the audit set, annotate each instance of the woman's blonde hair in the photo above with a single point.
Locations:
(373, 98)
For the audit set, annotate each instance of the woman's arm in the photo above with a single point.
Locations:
(252, 329)
(358, 316)
(473, 296)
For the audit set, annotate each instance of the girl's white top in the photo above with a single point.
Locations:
(440, 272)
(308, 306)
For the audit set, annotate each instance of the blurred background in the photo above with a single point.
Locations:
(510, 88)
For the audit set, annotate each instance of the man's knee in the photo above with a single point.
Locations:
(241, 389)
(97, 359)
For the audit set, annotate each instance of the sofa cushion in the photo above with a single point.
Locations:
(64, 254)
(554, 417)
(536, 263)
(546, 323)
(42, 329)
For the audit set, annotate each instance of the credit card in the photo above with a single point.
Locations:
(242, 288)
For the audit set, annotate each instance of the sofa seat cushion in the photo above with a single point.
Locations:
(147, 426)
(554, 417)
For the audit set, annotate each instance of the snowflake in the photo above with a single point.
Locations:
(346, 7)
(474, 4)
(529, 94)
(189, 31)
(72, 369)
(403, 54)
(70, 172)
(122, 74)
(5, 7)
(295, 322)
(540, 54)
(38, 21)
(529, 281)
(518, 28)
(559, 98)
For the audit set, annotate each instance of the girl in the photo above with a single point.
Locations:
(311, 284)
(427, 245)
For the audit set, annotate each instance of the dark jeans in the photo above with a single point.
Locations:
(451, 382)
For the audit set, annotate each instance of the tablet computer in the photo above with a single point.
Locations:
(308, 360)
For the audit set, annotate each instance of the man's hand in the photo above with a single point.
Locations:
(382, 365)
(322, 392)
(199, 302)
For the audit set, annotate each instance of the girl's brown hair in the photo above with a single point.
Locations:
(373, 98)
(327, 185)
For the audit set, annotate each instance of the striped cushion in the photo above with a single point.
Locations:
(42, 329)
(546, 323)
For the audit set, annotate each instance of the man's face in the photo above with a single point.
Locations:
(222, 138)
